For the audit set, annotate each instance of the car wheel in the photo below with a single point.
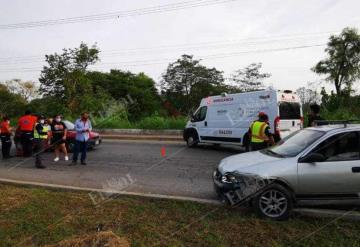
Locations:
(191, 140)
(274, 202)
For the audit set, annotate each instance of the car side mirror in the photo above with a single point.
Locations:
(312, 158)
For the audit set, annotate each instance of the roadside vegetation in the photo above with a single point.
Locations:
(121, 99)
(39, 217)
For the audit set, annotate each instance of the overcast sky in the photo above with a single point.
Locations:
(227, 36)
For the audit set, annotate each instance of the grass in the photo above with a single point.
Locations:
(154, 122)
(37, 217)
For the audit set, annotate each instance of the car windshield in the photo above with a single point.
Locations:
(289, 110)
(295, 143)
(69, 125)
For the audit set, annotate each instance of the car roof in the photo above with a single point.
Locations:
(333, 127)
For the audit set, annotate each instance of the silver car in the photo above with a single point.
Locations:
(318, 163)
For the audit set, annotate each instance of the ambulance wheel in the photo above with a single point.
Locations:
(192, 140)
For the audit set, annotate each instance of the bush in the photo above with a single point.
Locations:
(154, 122)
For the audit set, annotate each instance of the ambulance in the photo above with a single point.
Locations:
(225, 119)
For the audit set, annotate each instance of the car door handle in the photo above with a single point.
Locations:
(205, 123)
(356, 169)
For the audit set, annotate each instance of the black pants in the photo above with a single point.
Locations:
(5, 145)
(255, 146)
(39, 149)
(80, 147)
(27, 143)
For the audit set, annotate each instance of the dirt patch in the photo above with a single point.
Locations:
(100, 239)
(12, 197)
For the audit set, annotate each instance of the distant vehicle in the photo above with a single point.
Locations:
(225, 119)
(318, 163)
(94, 141)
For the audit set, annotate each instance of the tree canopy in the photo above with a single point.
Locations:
(186, 81)
(342, 64)
(250, 78)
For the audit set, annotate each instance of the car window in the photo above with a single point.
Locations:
(200, 114)
(290, 110)
(296, 142)
(340, 147)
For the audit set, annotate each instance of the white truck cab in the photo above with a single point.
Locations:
(225, 119)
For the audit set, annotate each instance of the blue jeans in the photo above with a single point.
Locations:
(80, 147)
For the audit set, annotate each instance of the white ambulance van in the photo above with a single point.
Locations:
(225, 119)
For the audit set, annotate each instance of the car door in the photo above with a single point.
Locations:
(338, 173)
(199, 119)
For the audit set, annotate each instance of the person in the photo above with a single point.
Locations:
(314, 115)
(259, 132)
(5, 135)
(83, 128)
(40, 140)
(26, 127)
(59, 132)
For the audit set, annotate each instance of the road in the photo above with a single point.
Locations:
(134, 166)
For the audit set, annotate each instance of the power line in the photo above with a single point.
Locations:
(157, 61)
(169, 48)
(117, 14)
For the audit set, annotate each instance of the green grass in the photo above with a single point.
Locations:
(154, 122)
(36, 217)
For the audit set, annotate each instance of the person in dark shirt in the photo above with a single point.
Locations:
(59, 132)
(314, 115)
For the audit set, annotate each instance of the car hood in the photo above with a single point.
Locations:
(246, 163)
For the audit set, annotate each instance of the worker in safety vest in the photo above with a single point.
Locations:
(259, 133)
(5, 135)
(41, 132)
(26, 126)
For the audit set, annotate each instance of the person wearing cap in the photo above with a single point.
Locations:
(5, 135)
(83, 128)
(40, 140)
(26, 126)
(259, 132)
(314, 115)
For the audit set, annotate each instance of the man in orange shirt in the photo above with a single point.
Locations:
(5, 134)
(26, 126)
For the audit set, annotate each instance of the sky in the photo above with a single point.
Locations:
(287, 36)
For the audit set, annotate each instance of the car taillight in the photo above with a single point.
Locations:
(277, 125)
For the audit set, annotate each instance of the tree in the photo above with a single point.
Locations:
(186, 82)
(28, 90)
(65, 78)
(11, 104)
(307, 96)
(137, 92)
(250, 78)
(342, 65)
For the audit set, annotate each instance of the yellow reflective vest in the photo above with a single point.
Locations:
(46, 129)
(258, 132)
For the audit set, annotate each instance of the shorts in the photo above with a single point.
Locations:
(57, 142)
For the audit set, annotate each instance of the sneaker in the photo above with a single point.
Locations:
(83, 163)
(40, 166)
(56, 159)
(73, 163)
(66, 158)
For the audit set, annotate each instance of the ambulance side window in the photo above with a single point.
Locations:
(200, 115)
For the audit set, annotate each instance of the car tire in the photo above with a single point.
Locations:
(192, 140)
(274, 202)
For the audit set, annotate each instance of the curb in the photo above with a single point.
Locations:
(103, 193)
(142, 137)
(329, 213)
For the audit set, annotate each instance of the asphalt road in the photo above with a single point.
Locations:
(134, 166)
